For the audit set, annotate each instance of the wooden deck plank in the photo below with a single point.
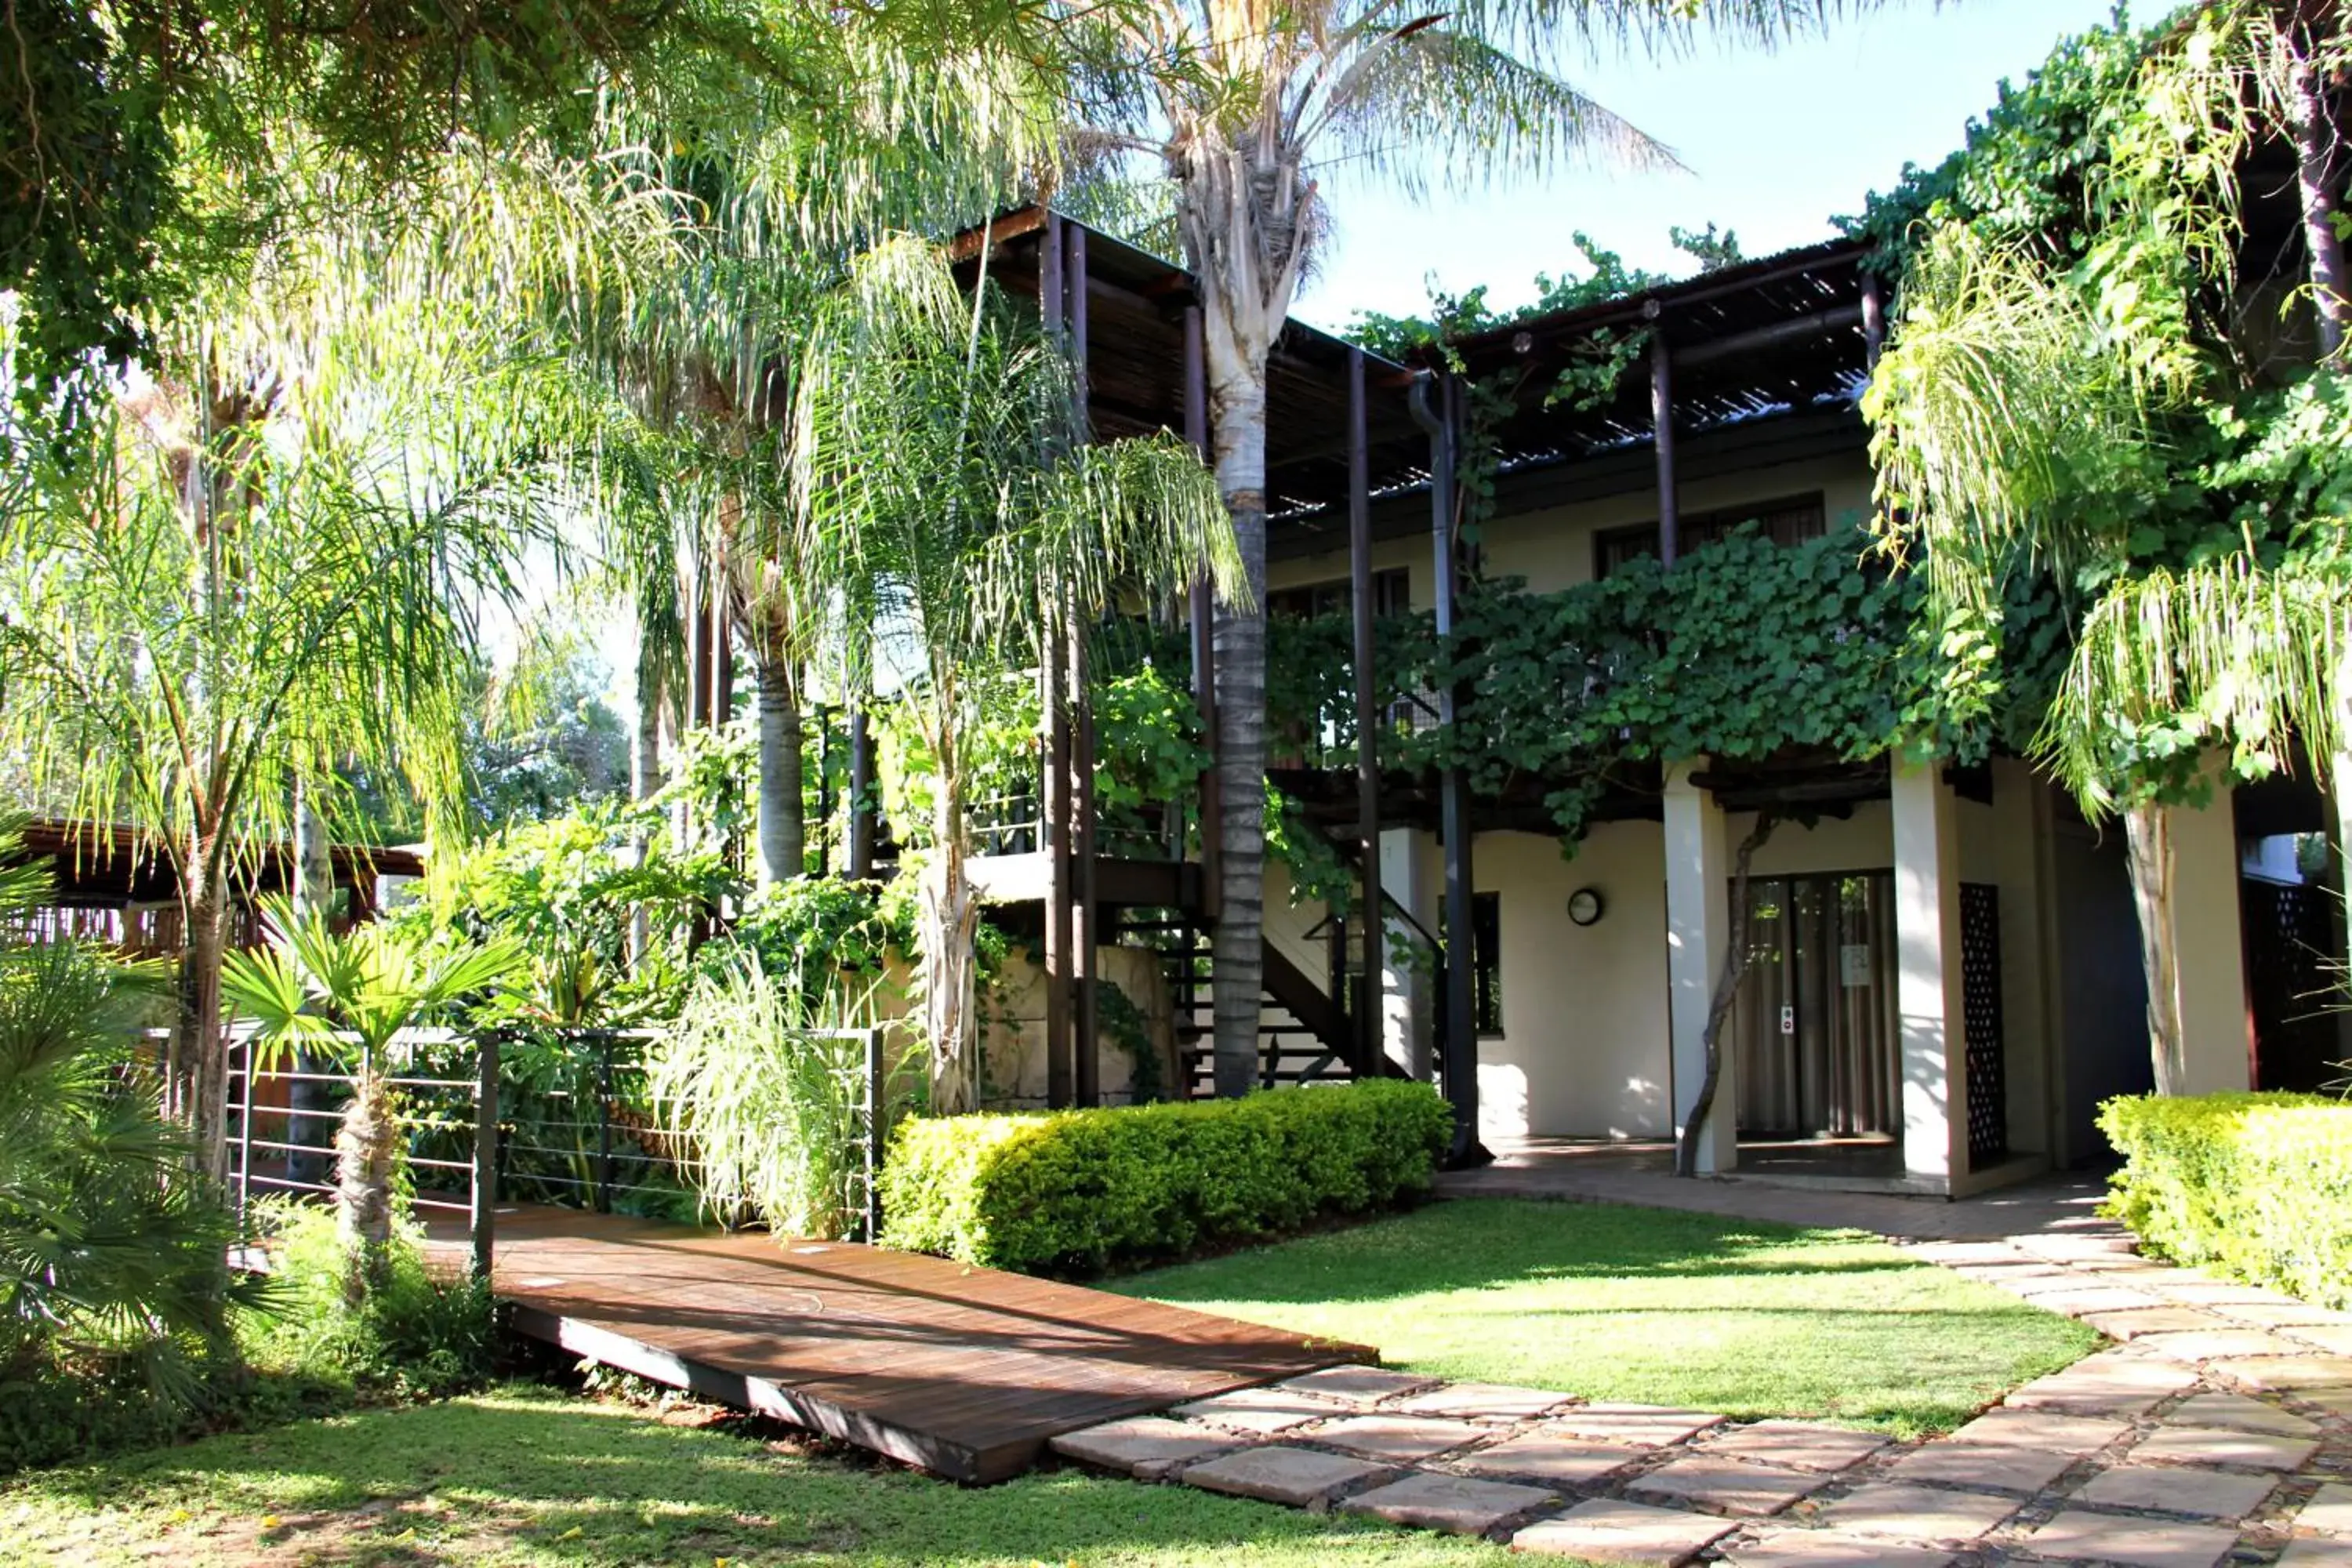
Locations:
(968, 1371)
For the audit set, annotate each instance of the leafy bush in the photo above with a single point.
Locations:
(415, 1333)
(1075, 1191)
(2259, 1185)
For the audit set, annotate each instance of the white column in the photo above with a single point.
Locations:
(2209, 943)
(1407, 1013)
(1928, 995)
(1698, 929)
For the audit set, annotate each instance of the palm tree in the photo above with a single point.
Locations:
(347, 998)
(945, 495)
(1244, 101)
(2029, 411)
(272, 568)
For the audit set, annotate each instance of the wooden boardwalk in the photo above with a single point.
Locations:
(966, 1372)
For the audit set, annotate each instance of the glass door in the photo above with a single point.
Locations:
(1815, 1024)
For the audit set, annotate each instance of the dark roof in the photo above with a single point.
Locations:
(113, 862)
(1777, 335)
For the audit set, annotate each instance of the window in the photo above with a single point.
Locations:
(1486, 961)
(1790, 520)
(1391, 595)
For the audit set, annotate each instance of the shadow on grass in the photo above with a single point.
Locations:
(596, 1484)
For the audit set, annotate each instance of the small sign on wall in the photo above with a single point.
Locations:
(1853, 964)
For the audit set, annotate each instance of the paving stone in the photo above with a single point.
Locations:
(2316, 1554)
(1901, 1512)
(2046, 1429)
(2215, 1344)
(1358, 1384)
(2134, 1321)
(1483, 1402)
(1605, 1532)
(1732, 1486)
(1448, 1502)
(2000, 1468)
(2208, 1494)
(2282, 1314)
(1651, 1425)
(1399, 1439)
(2113, 1387)
(1953, 1254)
(2336, 1339)
(2329, 1512)
(2135, 1542)
(1300, 1478)
(1828, 1548)
(1261, 1410)
(1555, 1456)
(2115, 1243)
(1143, 1446)
(2079, 1300)
(1805, 1444)
(2219, 1292)
(2295, 1373)
(2245, 1414)
(2216, 1445)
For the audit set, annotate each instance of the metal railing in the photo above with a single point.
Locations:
(475, 1134)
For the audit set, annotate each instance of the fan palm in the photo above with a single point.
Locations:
(1245, 102)
(944, 496)
(347, 998)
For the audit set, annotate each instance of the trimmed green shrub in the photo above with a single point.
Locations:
(1075, 1191)
(2259, 1185)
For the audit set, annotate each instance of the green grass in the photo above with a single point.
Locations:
(533, 1477)
(1665, 1308)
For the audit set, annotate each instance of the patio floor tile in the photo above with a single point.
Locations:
(1145, 1445)
(1732, 1486)
(2329, 1512)
(1358, 1384)
(1655, 1426)
(1903, 1513)
(1261, 1410)
(2135, 1542)
(1998, 1466)
(2208, 1494)
(1827, 1549)
(2218, 1446)
(1555, 1456)
(1605, 1532)
(1483, 1402)
(1399, 1439)
(1300, 1478)
(1805, 1444)
(1458, 1503)
(2246, 1414)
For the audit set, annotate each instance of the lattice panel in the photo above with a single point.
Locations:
(1980, 1003)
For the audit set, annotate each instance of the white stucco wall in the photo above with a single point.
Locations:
(1584, 1050)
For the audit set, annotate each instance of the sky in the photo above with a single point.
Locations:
(1774, 144)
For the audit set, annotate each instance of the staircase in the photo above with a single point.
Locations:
(1303, 1035)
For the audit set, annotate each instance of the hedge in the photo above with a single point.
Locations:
(2257, 1185)
(1073, 1192)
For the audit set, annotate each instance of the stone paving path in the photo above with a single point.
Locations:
(2217, 1428)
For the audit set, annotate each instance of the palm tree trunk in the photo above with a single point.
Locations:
(949, 917)
(2148, 831)
(311, 890)
(2315, 143)
(1237, 405)
(196, 1076)
(366, 1150)
(783, 830)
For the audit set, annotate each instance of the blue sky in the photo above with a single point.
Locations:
(1775, 145)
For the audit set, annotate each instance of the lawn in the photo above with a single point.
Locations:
(536, 1477)
(1645, 1304)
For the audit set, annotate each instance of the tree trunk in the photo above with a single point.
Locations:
(2315, 143)
(950, 917)
(311, 889)
(782, 843)
(1736, 957)
(2147, 833)
(196, 1085)
(366, 1152)
(1237, 405)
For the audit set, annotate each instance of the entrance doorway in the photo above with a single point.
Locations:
(1815, 1022)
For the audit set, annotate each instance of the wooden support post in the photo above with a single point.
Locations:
(1054, 840)
(1085, 938)
(1662, 418)
(1873, 317)
(1203, 619)
(722, 661)
(1371, 924)
(878, 1130)
(697, 653)
(861, 786)
(1460, 1043)
(483, 1202)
